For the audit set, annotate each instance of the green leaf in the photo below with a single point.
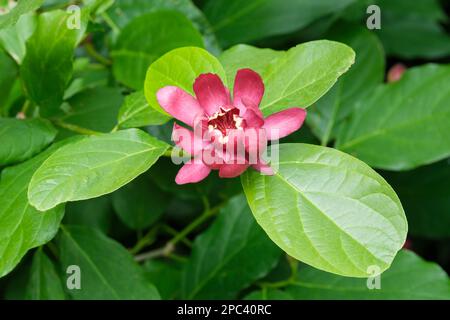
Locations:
(145, 39)
(92, 167)
(404, 124)
(7, 78)
(328, 209)
(235, 21)
(44, 282)
(122, 12)
(49, 52)
(179, 67)
(304, 74)
(328, 113)
(425, 196)
(94, 109)
(22, 139)
(136, 112)
(108, 271)
(140, 203)
(269, 294)
(21, 226)
(233, 243)
(22, 7)
(13, 38)
(409, 278)
(165, 276)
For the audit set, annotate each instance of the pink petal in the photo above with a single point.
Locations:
(283, 123)
(232, 170)
(211, 93)
(253, 119)
(248, 89)
(264, 168)
(180, 104)
(192, 172)
(186, 140)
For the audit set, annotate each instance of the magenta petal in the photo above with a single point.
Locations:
(186, 140)
(232, 170)
(283, 123)
(178, 103)
(264, 168)
(192, 172)
(211, 93)
(253, 119)
(248, 89)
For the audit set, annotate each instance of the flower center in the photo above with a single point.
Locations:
(225, 119)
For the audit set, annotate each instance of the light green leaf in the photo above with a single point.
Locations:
(179, 67)
(22, 7)
(21, 226)
(136, 112)
(409, 278)
(92, 167)
(108, 271)
(404, 124)
(232, 244)
(304, 74)
(236, 21)
(140, 203)
(328, 113)
(145, 39)
(22, 139)
(328, 209)
(44, 282)
(49, 51)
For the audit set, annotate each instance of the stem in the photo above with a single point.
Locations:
(75, 128)
(145, 240)
(110, 23)
(95, 55)
(180, 152)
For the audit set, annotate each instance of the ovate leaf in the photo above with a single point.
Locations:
(232, 244)
(7, 79)
(22, 7)
(328, 209)
(22, 139)
(404, 124)
(166, 276)
(179, 67)
(145, 39)
(44, 282)
(107, 269)
(92, 167)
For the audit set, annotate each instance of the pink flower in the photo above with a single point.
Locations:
(229, 135)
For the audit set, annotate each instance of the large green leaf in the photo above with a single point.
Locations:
(410, 277)
(22, 7)
(179, 67)
(44, 282)
(165, 275)
(108, 271)
(330, 111)
(21, 226)
(404, 124)
(136, 112)
(93, 166)
(425, 194)
(49, 52)
(236, 21)
(328, 209)
(140, 203)
(232, 244)
(145, 39)
(7, 78)
(22, 139)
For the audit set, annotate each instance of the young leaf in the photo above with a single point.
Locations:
(135, 112)
(49, 52)
(409, 278)
(107, 270)
(21, 226)
(44, 282)
(145, 39)
(233, 243)
(22, 7)
(22, 139)
(179, 67)
(328, 209)
(140, 203)
(404, 124)
(328, 113)
(304, 74)
(92, 167)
